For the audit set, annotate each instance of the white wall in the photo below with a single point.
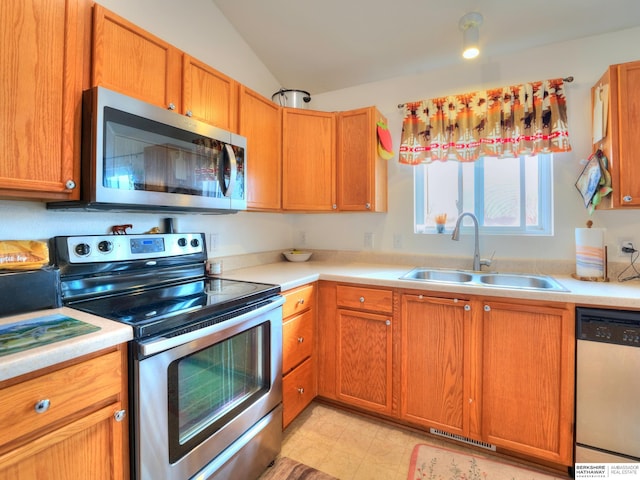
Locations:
(197, 26)
(584, 59)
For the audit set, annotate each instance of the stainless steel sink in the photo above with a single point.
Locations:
(434, 275)
(501, 280)
(535, 282)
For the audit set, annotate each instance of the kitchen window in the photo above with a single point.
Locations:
(509, 196)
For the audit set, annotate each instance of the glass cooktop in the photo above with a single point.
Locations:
(157, 310)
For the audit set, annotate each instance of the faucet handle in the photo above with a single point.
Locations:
(487, 261)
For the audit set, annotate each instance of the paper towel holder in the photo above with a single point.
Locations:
(605, 277)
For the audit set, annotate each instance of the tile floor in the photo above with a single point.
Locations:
(349, 446)
(353, 447)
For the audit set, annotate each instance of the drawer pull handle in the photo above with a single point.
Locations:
(300, 339)
(301, 301)
(361, 299)
(119, 415)
(42, 406)
(300, 390)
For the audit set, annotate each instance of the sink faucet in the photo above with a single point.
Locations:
(477, 263)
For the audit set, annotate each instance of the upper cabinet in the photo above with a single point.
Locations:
(132, 61)
(209, 95)
(617, 96)
(361, 172)
(308, 160)
(41, 80)
(260, 121)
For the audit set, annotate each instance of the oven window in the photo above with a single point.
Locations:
(208, 388)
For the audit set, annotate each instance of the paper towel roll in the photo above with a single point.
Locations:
(590, 252)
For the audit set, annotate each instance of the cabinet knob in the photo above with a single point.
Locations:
(42, 406)
(300, 339)
(189, 113)
(171, 106)
(627, 198)
(119, 415)
(367, 206)
(387, 322)
(300, 390)
(467, 308)
(334, 206)
(361, 299)
(487, 308)
(70, 184)
(301, 301)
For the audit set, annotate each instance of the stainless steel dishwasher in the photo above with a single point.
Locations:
(607, 386)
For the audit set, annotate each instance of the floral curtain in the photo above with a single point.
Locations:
(510, 121)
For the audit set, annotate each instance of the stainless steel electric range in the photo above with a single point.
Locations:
(205, 361)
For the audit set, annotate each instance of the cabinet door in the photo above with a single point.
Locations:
(527, 381)
(261, 123)
(628, 134)
(209, 95)
(361, 172)
(308, 142)
(364, 359)
(91, 447)
(134, 62)
(435, 358)
(41, 84)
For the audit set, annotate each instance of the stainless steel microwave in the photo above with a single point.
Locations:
(140, 157)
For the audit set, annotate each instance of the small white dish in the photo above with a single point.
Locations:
(297, 255)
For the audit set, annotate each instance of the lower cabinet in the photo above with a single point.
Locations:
(298, 369)
(356, 346)
(67, 422)
(497, 371)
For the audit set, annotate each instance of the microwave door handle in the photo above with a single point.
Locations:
(228, 157)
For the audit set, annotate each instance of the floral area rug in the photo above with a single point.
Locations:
(436, 463)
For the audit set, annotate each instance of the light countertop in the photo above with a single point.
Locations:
(292, 274)
(110, 334)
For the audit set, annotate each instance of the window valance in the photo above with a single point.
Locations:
(509, 121)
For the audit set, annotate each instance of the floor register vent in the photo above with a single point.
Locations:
(460, 438)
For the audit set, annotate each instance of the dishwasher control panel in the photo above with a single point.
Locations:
(620, 327)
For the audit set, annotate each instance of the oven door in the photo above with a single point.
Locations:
(195, 400)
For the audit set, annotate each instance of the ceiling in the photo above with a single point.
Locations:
(327, 45)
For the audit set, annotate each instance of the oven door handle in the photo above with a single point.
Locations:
(160, 344)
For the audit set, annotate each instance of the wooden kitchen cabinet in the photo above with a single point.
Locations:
(134, 62)
(298, 368)
(361, 172)
(41, 78)
(622, 140)
(209, 95)
(528, 356)
(435, 345)
(82, 433)
(261, 123)
(308, 160)
(356, 346)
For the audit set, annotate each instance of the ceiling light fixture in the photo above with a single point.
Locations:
(469, 24)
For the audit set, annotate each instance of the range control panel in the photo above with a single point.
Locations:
(116, 248)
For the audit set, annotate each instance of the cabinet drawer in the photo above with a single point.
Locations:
(298, 389)
(297, 340)
(68, 391)
(298, 300)
(362, 298)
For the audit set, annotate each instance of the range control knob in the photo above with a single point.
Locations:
(182, 242)
(195, 242)
(82, 249)
(105, 246)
